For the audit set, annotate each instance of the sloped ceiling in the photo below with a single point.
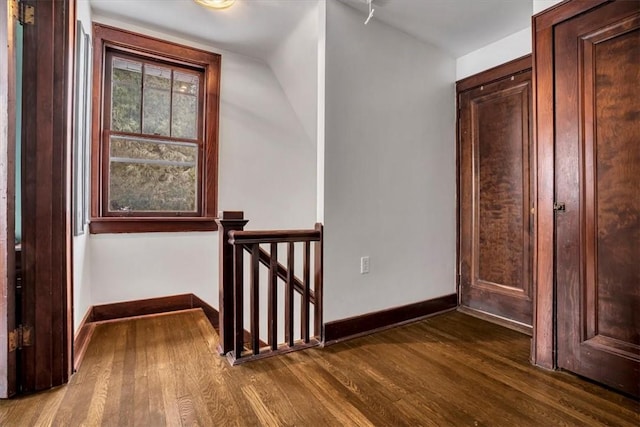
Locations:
(250, 27)
(456, 26)
(257, 27)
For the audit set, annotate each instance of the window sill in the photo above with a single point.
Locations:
(150, 225)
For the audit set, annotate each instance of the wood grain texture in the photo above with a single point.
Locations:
(127, 309)
(507, 323)
(210, 312)
(446, 370)
(8, 370)
(502, 202)
(567, 9)
(543, 347)
(496, 195)
(597, 107)
(616, 175)
(45, 214)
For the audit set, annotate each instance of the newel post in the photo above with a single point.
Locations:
(227, 221)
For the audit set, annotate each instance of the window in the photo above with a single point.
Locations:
(154, 148)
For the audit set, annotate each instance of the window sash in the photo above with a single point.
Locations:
(178, 68)
(108, 134)
(106, 173)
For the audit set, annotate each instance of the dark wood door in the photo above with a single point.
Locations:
(495, 199)
(45, 358)
(8, 359)
(597, 57)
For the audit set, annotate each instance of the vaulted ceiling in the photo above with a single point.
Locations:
(250, 27)
(456, 26)
(256, 27)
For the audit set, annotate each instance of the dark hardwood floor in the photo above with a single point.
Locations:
(451, 369)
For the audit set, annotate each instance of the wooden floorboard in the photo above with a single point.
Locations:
(451, 369)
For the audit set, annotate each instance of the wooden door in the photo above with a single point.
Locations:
(45, 360)
(495, 203)
(597, 170)
(8, 367)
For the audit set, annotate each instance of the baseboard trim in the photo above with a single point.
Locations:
(344, 329)
(210, 312)
(126, 309)
(498, 320)
(142, 307)
(82, 338)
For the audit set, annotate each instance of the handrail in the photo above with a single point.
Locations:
(273, 236)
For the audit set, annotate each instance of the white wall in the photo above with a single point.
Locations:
(540, 5)
(295, 65)
(82, 293)
(494, 54)
(389, 167)
(320, 110)
(504, 50)
(267, 164)
(138, 266)
(267, 168)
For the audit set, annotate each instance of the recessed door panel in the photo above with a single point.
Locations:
(598, 179)
(616, 226)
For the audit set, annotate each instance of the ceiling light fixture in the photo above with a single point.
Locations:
(216, 4)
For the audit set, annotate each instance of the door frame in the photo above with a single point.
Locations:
(544, 341)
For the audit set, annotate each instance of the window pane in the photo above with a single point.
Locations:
(155, 176)
(185, 105)
(126, 89)
(157, 100)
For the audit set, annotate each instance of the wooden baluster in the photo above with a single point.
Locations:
(273, 298)
(255, 298)
(318, 266)
(251, 241)
(304, 306)
(288, 308)
(239, 300)
(227, 221)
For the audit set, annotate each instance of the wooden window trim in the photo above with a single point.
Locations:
(106, 37)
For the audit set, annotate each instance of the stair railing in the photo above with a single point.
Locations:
(239, 344)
